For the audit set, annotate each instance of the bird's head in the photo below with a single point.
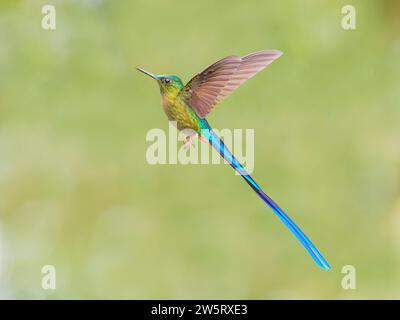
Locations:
(169, 84)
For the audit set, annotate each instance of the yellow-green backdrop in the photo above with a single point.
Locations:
(77, 193)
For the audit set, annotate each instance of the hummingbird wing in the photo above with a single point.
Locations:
(205, 90)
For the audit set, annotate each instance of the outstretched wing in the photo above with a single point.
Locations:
(204, 91)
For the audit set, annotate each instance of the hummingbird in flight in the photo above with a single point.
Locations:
(187, 106)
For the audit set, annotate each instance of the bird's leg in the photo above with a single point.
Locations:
(202, 139)
(189, 142)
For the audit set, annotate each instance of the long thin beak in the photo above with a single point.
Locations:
(148, 73)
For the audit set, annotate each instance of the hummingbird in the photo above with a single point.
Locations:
(187, 106)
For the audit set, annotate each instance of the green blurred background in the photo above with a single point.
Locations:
(76, 191)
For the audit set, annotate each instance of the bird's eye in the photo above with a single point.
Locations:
(166, 80)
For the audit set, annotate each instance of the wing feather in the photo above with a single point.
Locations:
(204, 91)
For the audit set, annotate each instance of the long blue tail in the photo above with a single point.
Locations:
(219, 145)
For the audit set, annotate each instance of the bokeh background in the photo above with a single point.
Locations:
(76, 191)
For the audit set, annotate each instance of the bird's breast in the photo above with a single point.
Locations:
(177, 110)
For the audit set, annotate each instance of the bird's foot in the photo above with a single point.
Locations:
(189, 143)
